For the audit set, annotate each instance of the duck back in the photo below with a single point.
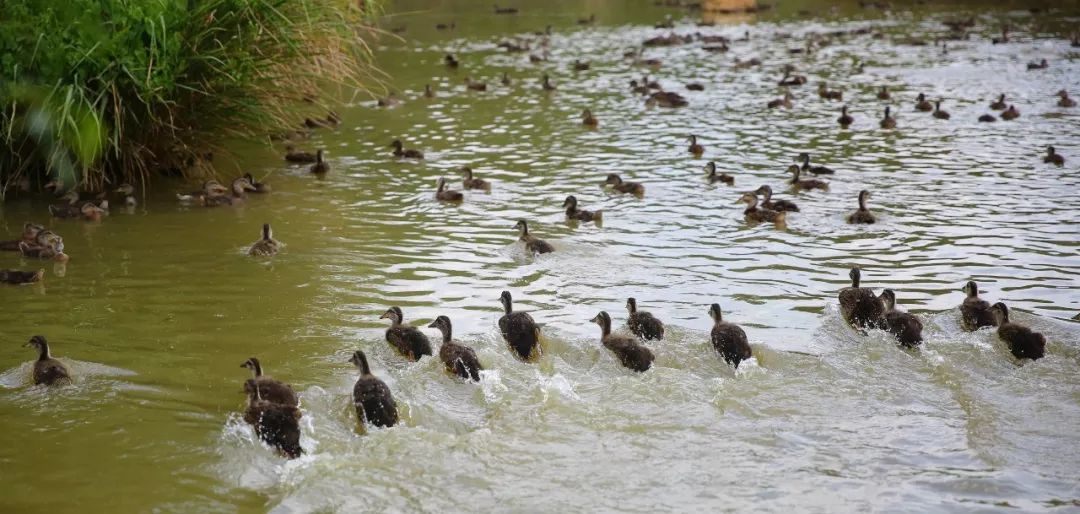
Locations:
(461, 361)
(632, 354)
(408, 341)
(51, 372)
(277, 425)
(521, 333)
(860, 307)
(730, 342)
(374, 403)
(646, 326)
(975, 313)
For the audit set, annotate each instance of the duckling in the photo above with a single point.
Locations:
(401, 153)
(69, 209)
(938, 113)
(728, 339)
(695, 148)
(789, 80)
(631, 353)
(905, 326)
(533, 244)
(450, 61)
(804, 185)
(753, 213)
(47, 370)
(883, 93)
(1065, 101)
(391, 100)
(475, 86)
(270, 389)
(824, 92)
(1000, 104)
(29, 234)
(975, 312)
(1041, 65)
(320, 167)
(16, 277)
(128, 191)
(588, 119)
(317, 123)
(862, 215)
(240, 186)
(260, 187)
(372, 398)
(546, 84)
(458, 358)
(45, 253)
(1010, 114)
(581, 65)
(616, 183)
(468, 182)
(643, 324)
(505, 79)
(713, 177)
(573, 213)
(779, 205)
(1052, 157)
(922, 104)
(267, 246)
(409, 341)
(1022, 341)
(428, 92)
(816, 170)
(519, 330)
(278, 425)
(987, 118)
(888, 122)
(845, 120)
(695, 86)
(784, 102)
(505, 10)
(740, 64)
(668, 99)
(209, 188)
(447, 195)
(536, 59)
(446, 26)
(859, 306)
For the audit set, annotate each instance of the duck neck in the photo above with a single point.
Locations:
(447, 332)
(395, 320)
(751, 204)
(768, 194)
(43, 352)
(605, 326)
(256, 368)
(862, 202)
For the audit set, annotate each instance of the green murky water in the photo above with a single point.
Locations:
(159, 306)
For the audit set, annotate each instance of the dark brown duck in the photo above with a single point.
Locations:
(519, 330)
(47, 370)
(975, 312)
(1022, 341)
(632, 354)
(643, 324)
(409, 341)
(859, 306)
(459, 359)
(728, 339)
(270, 389)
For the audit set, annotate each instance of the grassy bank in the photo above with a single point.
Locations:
(96, 92)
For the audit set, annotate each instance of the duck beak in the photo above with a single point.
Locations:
(433, 325)
(595, 319)
(384, 316)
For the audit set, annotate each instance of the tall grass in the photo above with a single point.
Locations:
(104, 91)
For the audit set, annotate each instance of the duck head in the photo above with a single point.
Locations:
(856, 276)
(570, 203)
(31, 231)
(613, 179)
(394, 314)
(360, 361)
(1001, 313)
(604, 320)
(506, 301)
(750, 199)
(631, 305)
(253, 365)
(40, 344)
(888, 298)
(863, 195)
(715, 313)
(523, 227)
(971, 289)
(443, 324)
(764, 190)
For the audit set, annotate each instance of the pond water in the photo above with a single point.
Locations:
(159, 306)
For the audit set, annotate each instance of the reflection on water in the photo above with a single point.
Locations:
(821, 418)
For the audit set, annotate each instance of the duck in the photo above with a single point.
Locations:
(468, 182)
(69, 209)
(128, 191)
(581, 65)
(267, 246)
(728, 339)
(428, 91)
(859, 306)
(1052, 157)
(616, 182)
(643, 324)
(975, 312)
(784, 101)
(330, 122)
(297, 156)
(845, 120)
(753, 213)
(883, 93)
(47, 370)
(372, 398)
(45, 253)
(209, 188)
(888, 122)
(587, 21)
(545, 83)
(573, 213)
(938, 113)
(807, 184)
(740, 64)
(446, 195)
(459, 359)
(391, 100)
(779, 205)
(1065, 101)
(588, 119)
(505, 79)
(321, 167)
(922, 104)
(904, 325)
(239, 187)
(270, 389)
(519, 330)
(632, 354)
(987, 118)
(402, 153)
(999, 104)
(1041, 65)
(505, 10)
(695, 148)
(695, 86)
(475, 86)
(409, 341)
(450, 61)
(1022, 341)
(260, 187)
(668, 99)
(713, 177)
(816, 170)
(789, 80)
(1010, 114)
(1004, 37)
(17, 277)
(862, 215)
(533, 244)
(29, 234)
(824, 92)
(277, 424)
(446, 26)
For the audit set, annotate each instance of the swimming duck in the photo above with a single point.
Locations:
(68, 209)
(668, 99)
(428, 92)
(450, 61)
(505, 79)
(320, 167)
(278, 425)
(616, 183)
(804, 185)
(1004, 36)
(47, 370)
(816, 170)
(209, 188)
(695, 148)
(695, 86)
(938, 113)
(45, 253)
(260, 187)
(713, 177)
(409, 341)
(888, 122)
(1065, 101)
(784, 102)
(845, 120)
(29, 234)
(391, 100)
(975, 312)
(319, 123)
(789, 80)
(588, 119)
(475, 86)
(128, 191)
(1022, 341)
(505, 10)
(904, 325)
(468, 182)
(581, 65)
(1053, 157)
(295, 156)
(371, 396)
(1041, 65)
(922, 104)
(446, 26)
(400, 151)
(824, 92)
(632, 354)
(999, 104)
(643, 324)
(446, 195)
(862, 215)
(740, 64)
(458, 358)
(239, 187)
(779, 205)
(536, 59)
(546, 84)
(987, 118)
(753, 213)
(270, 389)
(533, 244)
(519, 330)
(16, 277)
(883, 93)
(859, 306)
(573, 213)
(1010, 114)
(728, 339)
(267, 246)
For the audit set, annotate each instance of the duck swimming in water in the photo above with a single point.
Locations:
(446, 195)
(47, 370)
(904, 325)
(784, 101)
(883, 93)
(409, 341)
(823, 92)
(938, 113)
(616, 183)
(401, 153)
(695, 148)
(372, 398)
(888, 122)
(468, 182)
(450, 61)
(17, 277)
(714, 177)
(754, 213)
(270, 389)
(519, 330)
(975, 312)
(987, 118)
(1000, 104)
(859, 306)
(29, 234)
(1065, 101)
(320, 167)
(779, 205)
(298, 157)
(573, 213)
(845, 120)
(458, 358)
(643, 324)
(533, 244)
(816, 170)
(475, 86)
(239, 188)
(1010, 114)
(1052, 157)
(728, 339)
(1022, 341)
(277, 424)
(804, 185)
(545, 83)
(588, 119)
(668, 99)
(921, 104)
(267, 246)
(631, 353)
(1041, 65)
(260, 187)
(862, 215)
